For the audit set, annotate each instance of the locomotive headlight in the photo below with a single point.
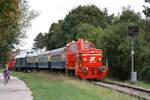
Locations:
(99, 59)
(101, 69)
(85, 70)
(92, 51)
(84, 59)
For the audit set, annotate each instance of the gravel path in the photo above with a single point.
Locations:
(14, 90)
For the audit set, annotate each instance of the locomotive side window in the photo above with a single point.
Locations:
(73, 47)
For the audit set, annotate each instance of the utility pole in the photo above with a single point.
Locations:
(133, 32)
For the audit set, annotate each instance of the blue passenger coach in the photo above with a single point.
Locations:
(58, 58)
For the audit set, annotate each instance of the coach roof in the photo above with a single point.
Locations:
(57, 51)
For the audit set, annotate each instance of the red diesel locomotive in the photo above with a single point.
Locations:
(85, 60)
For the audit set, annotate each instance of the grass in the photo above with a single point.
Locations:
(142, 84)
(52, 86)
(1, 70)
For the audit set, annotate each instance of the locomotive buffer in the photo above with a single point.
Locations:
(133, 32)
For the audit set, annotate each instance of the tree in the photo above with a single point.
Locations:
(84, 14)
(39, 41)
(90, 33)
(128, 16)
(146, 10)
(69, 29)
(55, 37)
(15, 17)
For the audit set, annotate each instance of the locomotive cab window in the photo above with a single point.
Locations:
(73, 47)
(87, 45)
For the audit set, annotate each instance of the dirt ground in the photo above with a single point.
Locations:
(15, 89)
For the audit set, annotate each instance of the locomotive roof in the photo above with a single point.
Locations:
(21, 55)
(31, 53)
(57, 51)
(37, 53)
(42, 53)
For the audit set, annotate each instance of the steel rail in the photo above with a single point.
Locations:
(141, 93)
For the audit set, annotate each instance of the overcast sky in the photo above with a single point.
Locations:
(54, 10)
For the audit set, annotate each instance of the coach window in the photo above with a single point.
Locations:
(40, 59)
(28, 59)
(34, 59)
(53, 58)
(60, 57)
(44, 59)
(57, 57)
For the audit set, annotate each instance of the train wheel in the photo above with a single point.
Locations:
(15, 68)
(18, 69)
(95, 79)
(78, 77)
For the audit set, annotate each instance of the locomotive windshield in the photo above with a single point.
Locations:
(87, 45)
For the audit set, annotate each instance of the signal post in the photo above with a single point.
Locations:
(133, 32)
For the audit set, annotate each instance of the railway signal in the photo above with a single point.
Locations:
(147, 0)
(133, 31)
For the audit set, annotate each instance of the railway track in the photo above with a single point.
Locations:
(141, 93)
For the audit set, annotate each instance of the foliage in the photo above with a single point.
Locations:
(15, 17)
(84, 14)
(90, 33)
(69, 29)
(116, 49)
(55, 37)
(146, 10)
(39, 41)
(129, 16)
